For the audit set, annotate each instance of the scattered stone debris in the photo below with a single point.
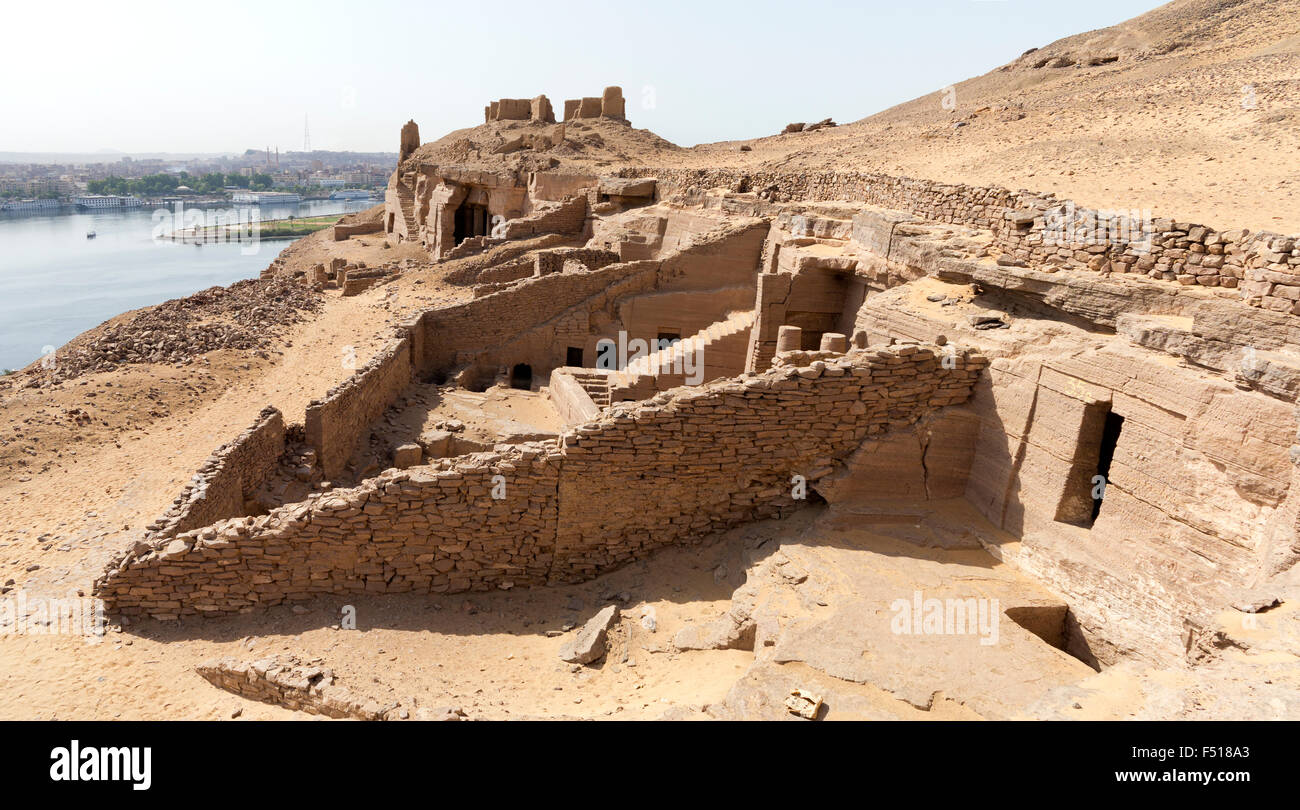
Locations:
(245, 316)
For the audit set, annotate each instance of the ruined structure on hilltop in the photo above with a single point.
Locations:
(449, 206)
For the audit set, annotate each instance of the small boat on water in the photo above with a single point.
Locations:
(90, 234)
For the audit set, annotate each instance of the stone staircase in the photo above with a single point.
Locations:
(595, 383)
(672, 358)
(406, 198)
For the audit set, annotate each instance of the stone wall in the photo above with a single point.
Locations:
(342, 232)
(455, 335)
(693, 461)
(519, 109)
(229, 477)
(689, 462)
(337, 422)
(285, 681)
(533, 320)
(1038, 228)
(609, 104)
(569, 216)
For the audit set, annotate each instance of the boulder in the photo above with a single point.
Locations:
(436, 443)
(628, 186)
(588, 644)
(407, 455)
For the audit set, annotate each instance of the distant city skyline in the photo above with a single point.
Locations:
(220, 80)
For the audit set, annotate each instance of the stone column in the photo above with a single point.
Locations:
(834, 342)
(789, 339)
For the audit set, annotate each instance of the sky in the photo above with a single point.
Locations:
(171, 76)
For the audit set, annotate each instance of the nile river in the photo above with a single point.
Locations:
(55, 283)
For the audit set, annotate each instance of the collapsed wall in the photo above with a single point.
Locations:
(689, 462)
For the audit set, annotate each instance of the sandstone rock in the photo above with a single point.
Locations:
(724, 633)
(627, 187)
(588, 645)
(804, 703)
(407, 455)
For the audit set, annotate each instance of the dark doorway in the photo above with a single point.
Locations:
(573, 357)
(471, 220)
(1109, 438)
(666, 339)
(521, 377)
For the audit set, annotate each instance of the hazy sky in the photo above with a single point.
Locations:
(226, 76)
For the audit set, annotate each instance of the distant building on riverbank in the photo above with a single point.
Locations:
(97, 201)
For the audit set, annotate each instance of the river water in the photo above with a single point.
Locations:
(55, 283)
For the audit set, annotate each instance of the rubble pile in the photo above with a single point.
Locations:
(243, 316)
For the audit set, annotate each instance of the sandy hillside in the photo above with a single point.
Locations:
(1192, 110)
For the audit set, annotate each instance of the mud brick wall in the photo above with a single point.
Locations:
(526, 321)
(342, 232)
(498, 277)
(520, 268)
(1039, 228)
(229, 476)
(336, 423)
(688, 462)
